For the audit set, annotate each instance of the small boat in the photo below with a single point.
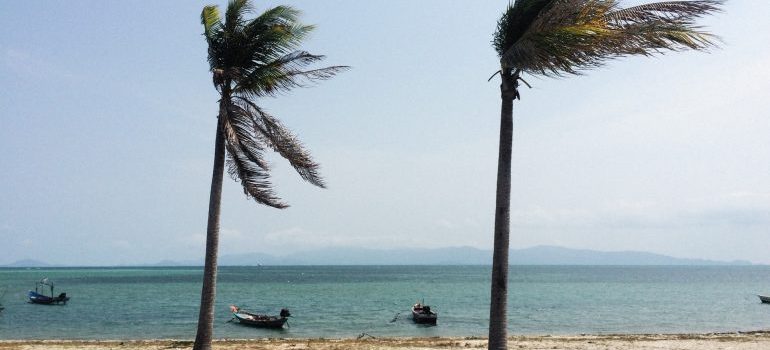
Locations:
(423, 315)
(764, 298)
(258, 320)
(43, 294)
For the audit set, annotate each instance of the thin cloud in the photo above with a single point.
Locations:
(726, 212)
(28, 66)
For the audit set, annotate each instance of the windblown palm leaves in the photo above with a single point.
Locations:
(257, 58)
(558, 37)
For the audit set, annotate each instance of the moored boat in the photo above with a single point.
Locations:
(43, 294)
(422, 314)
(763, 298)
(260, 320)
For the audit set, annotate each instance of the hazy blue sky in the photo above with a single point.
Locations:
(107, 120)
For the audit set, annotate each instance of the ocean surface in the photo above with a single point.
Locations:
(346, 301)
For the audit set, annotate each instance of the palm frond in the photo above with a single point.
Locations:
(239, 132)
(277, 16)
(654, 38)
(253, 179)
(315, 75)
(234, 14)
(285, 73)
(276, 136)
(568, 36)
(244, 162)
(282, 21)
(274, 33)
(211, 20)
(515, 21)
(665, 11)
(657, 27)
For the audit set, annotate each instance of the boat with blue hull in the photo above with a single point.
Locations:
(43, 294)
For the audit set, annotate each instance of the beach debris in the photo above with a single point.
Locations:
(364, 335)
(180, 344)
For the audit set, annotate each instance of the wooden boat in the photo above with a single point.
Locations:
(259, 320)
(423, 315)
(764, 298)
(43, 294)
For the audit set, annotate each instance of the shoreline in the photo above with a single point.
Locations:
(751, 340)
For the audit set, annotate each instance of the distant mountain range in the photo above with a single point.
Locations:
(27, 263)
(539, 255)
(551, 255)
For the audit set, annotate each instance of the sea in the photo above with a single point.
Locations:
(352, 301)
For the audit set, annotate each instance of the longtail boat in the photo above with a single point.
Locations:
(260, 320)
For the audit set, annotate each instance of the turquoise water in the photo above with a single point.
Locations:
(345, 301)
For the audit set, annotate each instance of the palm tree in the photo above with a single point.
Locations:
(250, 59)
(564, 37)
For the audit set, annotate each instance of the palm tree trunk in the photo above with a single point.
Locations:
(208, 293)
(498, 307)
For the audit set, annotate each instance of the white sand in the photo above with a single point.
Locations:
(738, 341)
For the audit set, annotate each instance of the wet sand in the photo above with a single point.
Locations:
(739, 341)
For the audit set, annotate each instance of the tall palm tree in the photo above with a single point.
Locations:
(565, 37)
(250, 59)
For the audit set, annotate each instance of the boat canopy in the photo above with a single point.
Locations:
(45, 282)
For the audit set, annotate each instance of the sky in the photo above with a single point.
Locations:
(108, 114)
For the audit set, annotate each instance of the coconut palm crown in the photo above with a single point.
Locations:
(560, 37)
(567, 37)
(251, 59)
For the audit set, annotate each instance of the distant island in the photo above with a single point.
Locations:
(538, 255)
(27, 263)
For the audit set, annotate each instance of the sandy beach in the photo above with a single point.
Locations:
(740, 341)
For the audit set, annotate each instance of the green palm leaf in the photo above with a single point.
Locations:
(210, 20)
